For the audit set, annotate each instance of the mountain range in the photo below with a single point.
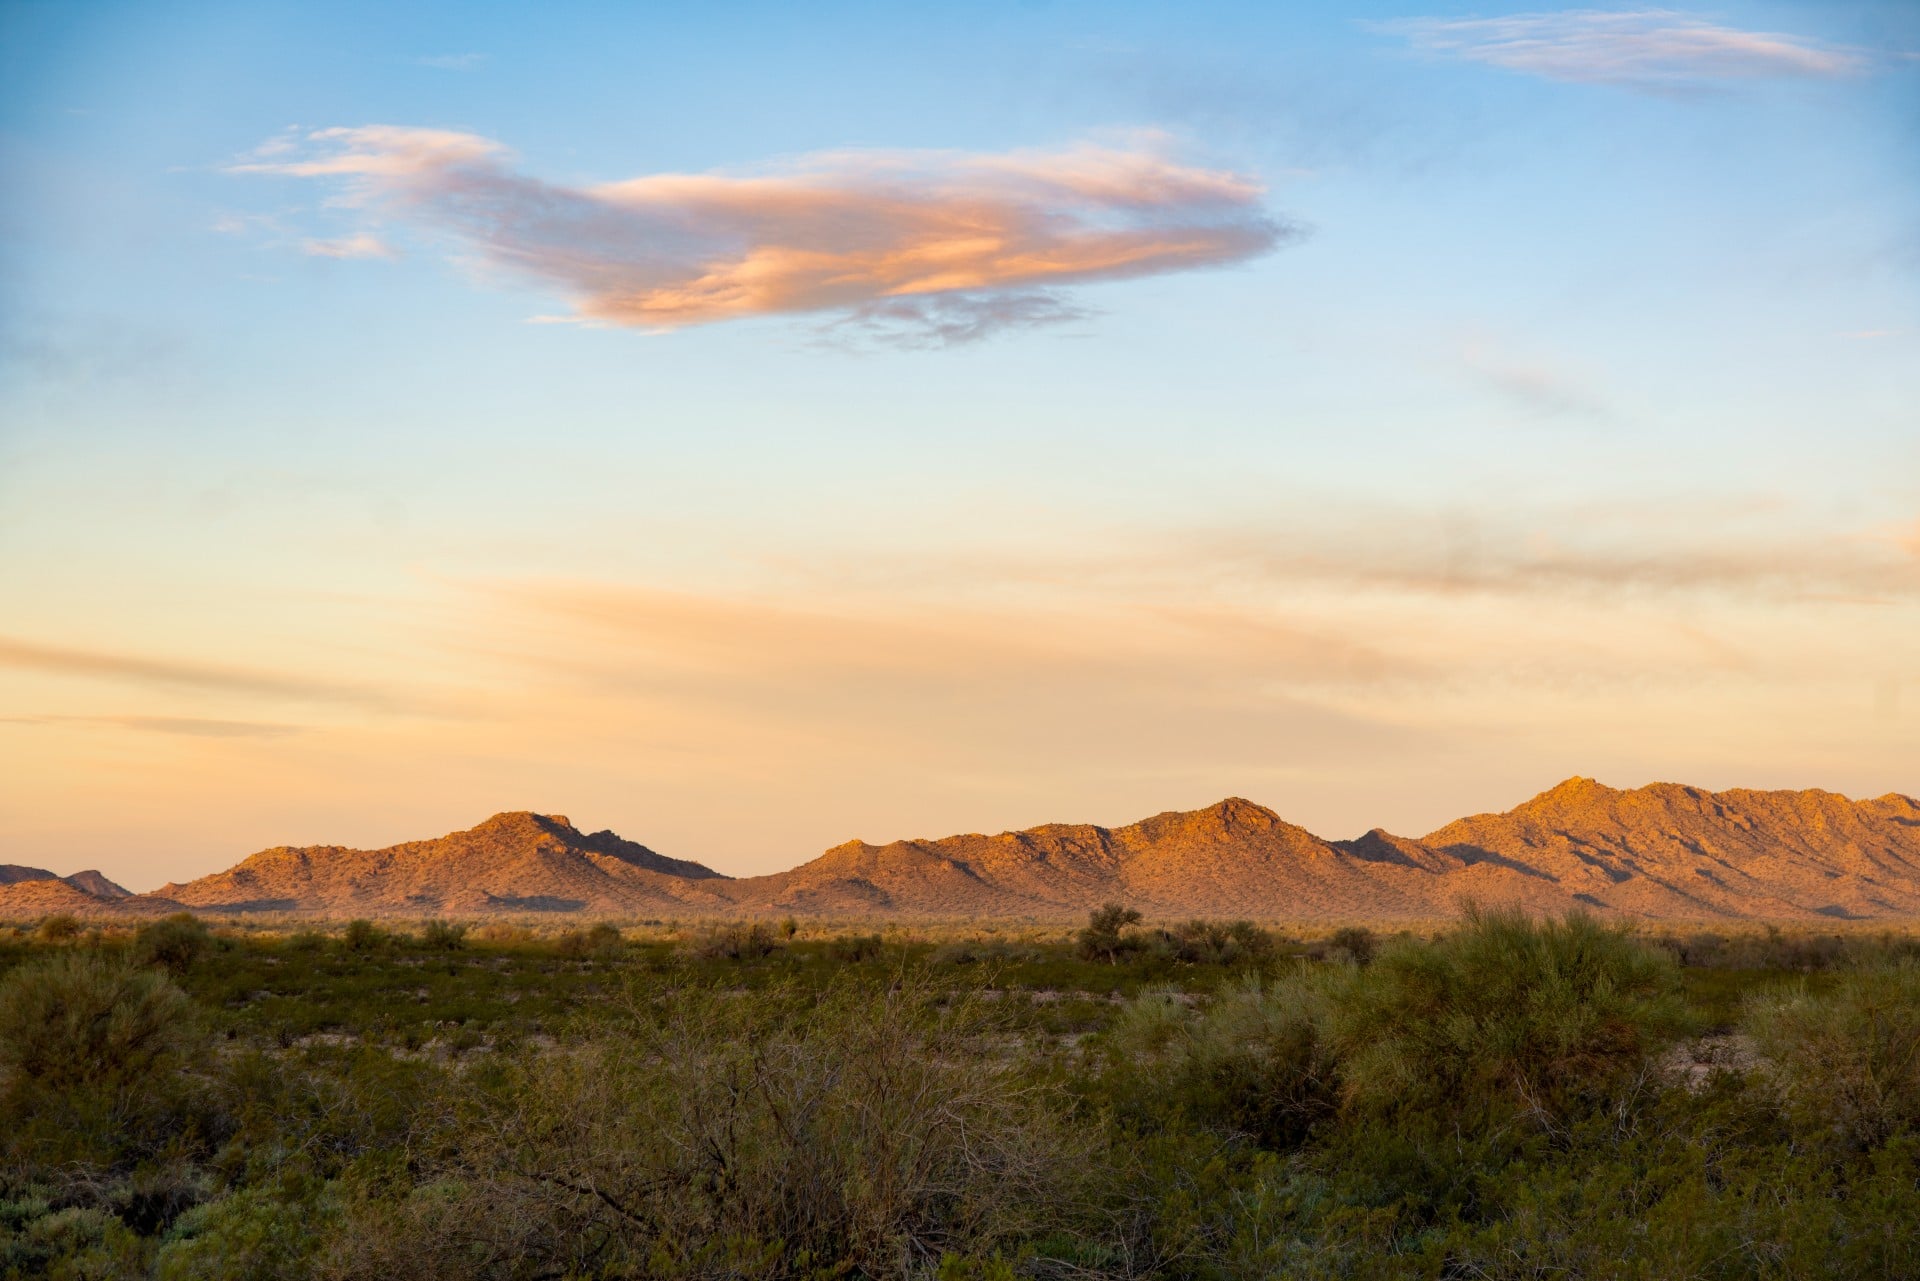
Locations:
(1664, 851)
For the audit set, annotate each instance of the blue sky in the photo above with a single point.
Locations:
(1540, 398)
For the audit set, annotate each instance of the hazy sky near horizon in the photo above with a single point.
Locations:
(749, 426)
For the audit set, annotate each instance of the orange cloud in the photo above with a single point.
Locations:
(955, 245)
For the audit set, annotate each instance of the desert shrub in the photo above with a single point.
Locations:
(1351, 943)
(306, 941)
(83, 1019)
(601, 940)
(1217, 943)
(1105, 937)
(1846, 1061)
(61, 927)
(443, 936)
(1255, 1060)
(272, 1230)
(75, 1243)
(749, 942)
(852, 949)
(863, 1131)
(500, 932)
(93, 1096)
(363, 936)
(1504, 1012)
(789, 927)
(173, 943)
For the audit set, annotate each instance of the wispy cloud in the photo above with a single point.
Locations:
(185, 726)
(135, 669)
(950, 246)
(361, 245)
(1654, 49)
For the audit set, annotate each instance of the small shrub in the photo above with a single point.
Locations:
(174, 943)
(602, 940)
(852, 949)
(444, 936)
(1104, 938)
(1217, 943)
(1846, 1061)
(61, 927)
(1352, 943)
(363, 936)
(735, 943)
(1256, 1060)
(789, 927)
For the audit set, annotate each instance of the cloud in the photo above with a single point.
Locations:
(361, 245)
(1537, 386)
(948, 246)
(187, 726)
(167, 673)
(1653, 49)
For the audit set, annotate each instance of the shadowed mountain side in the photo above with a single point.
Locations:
(87, 882)
(512, 862)
(45, 896)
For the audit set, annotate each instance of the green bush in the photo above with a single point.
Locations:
(174, 943)
(1253, 1061)
(1353, 943)
(601, 940)
(771, 1134)
(1216, 943)
(61, 927)
(1505, 1013)
(749, 942)
(1105, 937)
(85, 1019)
(363, 936)
(1846, 1061)
(96, 1101)
(852, 949)
(443, 936)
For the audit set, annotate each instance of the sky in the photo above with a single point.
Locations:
(750, 427)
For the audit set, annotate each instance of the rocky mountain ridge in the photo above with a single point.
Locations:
(1663, 852)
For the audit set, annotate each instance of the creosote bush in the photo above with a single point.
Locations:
(853, 949)
(363, 936)
(1255, 1061)
(747, 942)
(772, 1134)
(601, 940)
(61, 927)
(87, 1019)
(1504, 1012)
(173, 943)
(444, 936)
(1846, 1062)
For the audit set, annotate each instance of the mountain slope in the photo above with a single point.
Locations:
(1663, 851)
(1675, 851)
(515, 861)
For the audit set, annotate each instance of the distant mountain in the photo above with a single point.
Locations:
(1665, 850)
(512, 862)
(1662, 852)
(89, 882)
